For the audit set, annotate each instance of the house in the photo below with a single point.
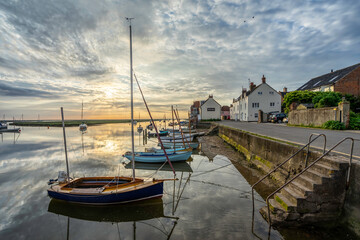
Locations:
(345, 81)
(210, 109)
(195, 111)
(283, 93)
(262, 97)
(231, 112)
(225, 112)
(234, 109)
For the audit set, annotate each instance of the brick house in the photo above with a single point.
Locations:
(346, 80)
(225, 112)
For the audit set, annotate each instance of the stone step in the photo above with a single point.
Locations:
(292, 194)
(324, 169)
(318, 177)
(280, 218)
(305, 191)
(285, 203)
(307, 182)
(339, 163)
(275, 207)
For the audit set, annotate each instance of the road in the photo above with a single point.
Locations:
(300, 135)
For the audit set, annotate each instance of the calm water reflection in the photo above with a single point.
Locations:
(211, 199)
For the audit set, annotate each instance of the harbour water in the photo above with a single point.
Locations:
(211, 199)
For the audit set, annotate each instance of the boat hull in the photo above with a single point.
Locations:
(136, 193)
(193, 145)
(17, 130)
(160, 158)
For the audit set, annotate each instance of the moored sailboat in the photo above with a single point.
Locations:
(106, 190)
(82, 126)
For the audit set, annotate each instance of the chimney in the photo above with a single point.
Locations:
(252, 86)
(243, 92)
(332, 70)
(211, 96)
(285, 89)
(263, 79)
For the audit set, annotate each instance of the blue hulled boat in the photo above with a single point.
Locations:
(105, 190)
(158, 157)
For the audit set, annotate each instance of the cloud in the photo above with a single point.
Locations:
(80, 49)
(6, 90)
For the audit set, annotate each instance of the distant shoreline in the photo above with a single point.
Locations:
(71, 123)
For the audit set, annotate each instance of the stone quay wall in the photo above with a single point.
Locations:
(318, 116)
(266, 153)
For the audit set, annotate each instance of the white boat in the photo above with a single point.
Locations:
(179, 137)
(180, 140)
(193, 145)
(3, 125)
(140, 129)
(82, 126)
(193, 134)
(158, 157)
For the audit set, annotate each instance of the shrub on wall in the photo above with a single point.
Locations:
(326, 99)
(299, 97)
(354, 122)
(320, 99)
(211, 120)
(334, 125)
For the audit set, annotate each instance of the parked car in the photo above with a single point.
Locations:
(271, 115)
(278, 118)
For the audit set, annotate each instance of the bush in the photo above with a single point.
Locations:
(334, 125)
(326, 99)
(211, 120)
(354, 122)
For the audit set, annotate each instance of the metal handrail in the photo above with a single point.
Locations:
(308, 148)
(306, 145)
(305, 169)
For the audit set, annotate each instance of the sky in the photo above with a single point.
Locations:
(59, 53)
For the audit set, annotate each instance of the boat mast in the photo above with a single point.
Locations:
(132, 103)
(82, 109)
(66, 157)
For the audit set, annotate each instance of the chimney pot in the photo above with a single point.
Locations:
(332, 70)
(252, 86)
(263, 79)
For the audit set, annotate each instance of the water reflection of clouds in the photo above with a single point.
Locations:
(213, 204)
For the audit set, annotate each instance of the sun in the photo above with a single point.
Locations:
(109, 92)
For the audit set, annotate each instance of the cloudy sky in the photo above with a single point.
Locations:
(60, 53)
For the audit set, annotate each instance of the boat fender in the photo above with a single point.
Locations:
(52, 181)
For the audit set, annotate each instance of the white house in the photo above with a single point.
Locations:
(234, 110)
(210, 109)
(262, 97)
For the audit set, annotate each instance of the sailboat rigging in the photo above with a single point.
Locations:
(107, 190)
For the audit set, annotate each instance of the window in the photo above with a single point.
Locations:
(211, 109)
(272, 104)
(260, 93)
(256, 115)
(255, 105)
(271, 93)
